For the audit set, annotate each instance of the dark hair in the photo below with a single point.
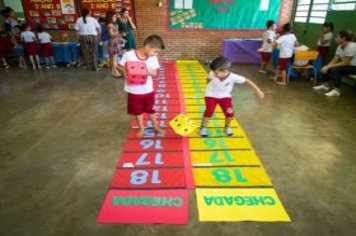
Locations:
(23, 27)
(85, 12)
(155, 41)
(108, 17)
(347, 35)
(220, 63)
(269, 23)
(286, 28)
(123, 10)
(329, 25)
(39, 28)
(101, 19)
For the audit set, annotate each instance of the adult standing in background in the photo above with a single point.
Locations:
(88, 31)
(7, 22)
(126, 26)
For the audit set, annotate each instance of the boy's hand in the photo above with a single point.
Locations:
(152, 72)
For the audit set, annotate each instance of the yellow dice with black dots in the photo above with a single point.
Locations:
(182, 125)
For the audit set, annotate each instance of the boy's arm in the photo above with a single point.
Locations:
(256, 88)
(152, 72)
(121, 70)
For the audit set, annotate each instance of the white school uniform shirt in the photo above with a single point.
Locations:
(88, 28)
(266, 46)
(328, 37)
(151, 63)
(287, 43)
(222, 89)
(348, 51)
(44, 37)
(28, 36)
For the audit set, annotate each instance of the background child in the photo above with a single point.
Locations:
(286, 44)
(115, 42)
(29, 39)
(104, 41)
(46, 46)
(268, 38)
(325, 39)
(141, 97)
(218, 91)
(18, 47)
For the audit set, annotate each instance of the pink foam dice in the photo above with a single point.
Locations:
(136, 73)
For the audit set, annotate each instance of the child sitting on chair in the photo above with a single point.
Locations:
(218, 91)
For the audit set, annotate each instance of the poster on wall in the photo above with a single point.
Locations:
(51, 14)
(222, 14)
(98, 8)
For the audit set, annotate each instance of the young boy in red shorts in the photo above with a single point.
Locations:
(286, 44)
(218, 91)
(140, 98)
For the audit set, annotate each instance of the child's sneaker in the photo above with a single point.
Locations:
(333, 93)
(6, 66)
(228, 131)
(321, 87)
(54, 66)
(202, 132)
(262, 71)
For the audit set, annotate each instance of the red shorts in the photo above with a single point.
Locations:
(47, 50)
(138, 104)
(224, 103)
(266, 56)
(5, 45)
(283, 63)
(323, 51)
(31, 48)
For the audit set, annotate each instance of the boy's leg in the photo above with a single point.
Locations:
(141, 126)
(47, 61)
(210, 104)
(38, 61)
(53, 62)
(32, 62)
(276, 75)
(283, 66)
(22, 63)
(226, 107)
(202, 131)
(264, 61)
(155, 124)
(262, 67)
(148, 103)
(284, 78)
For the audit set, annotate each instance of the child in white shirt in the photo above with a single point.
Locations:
(218, 91)
(46, 46)
(286, 44)
(30, 41)
(268, 38)
(325, 39)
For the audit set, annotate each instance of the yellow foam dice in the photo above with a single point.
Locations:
(183, 125)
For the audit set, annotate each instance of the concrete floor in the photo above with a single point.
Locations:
(62, 130)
